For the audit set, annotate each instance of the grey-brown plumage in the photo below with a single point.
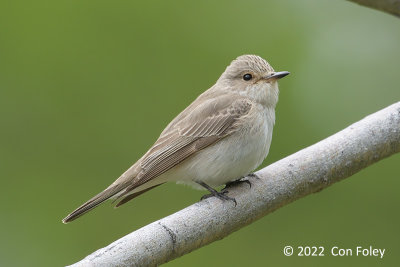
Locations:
(220, 112)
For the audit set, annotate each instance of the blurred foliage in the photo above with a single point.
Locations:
(87, 86)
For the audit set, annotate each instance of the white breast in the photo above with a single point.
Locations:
(231, 158)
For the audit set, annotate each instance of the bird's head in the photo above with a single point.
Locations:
(253, 77)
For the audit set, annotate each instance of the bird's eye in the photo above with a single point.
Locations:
(247, 77)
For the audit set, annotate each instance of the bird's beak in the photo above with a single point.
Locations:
(277, 75)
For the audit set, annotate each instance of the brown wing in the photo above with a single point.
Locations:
(197, 127)
(205, 125)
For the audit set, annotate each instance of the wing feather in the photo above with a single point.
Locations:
(205, 125)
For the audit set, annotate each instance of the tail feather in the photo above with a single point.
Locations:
(132, 196)
(94, 202)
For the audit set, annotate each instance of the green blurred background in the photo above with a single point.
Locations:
(77, 76)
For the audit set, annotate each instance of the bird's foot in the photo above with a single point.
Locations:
(214, 193)
(221, 195)
(236, 182)
(253, 175)
(241, 180)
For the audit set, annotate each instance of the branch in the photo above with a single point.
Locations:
(388, 6)
(307, 171)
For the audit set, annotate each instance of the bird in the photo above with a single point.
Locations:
(223, 135)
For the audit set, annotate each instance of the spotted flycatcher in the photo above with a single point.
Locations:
(223, 135)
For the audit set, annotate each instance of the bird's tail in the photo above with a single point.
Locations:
(95, 201)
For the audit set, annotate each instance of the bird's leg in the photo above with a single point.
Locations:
(253, 175)
(215, 193)
(236, 182)
(240, 180)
